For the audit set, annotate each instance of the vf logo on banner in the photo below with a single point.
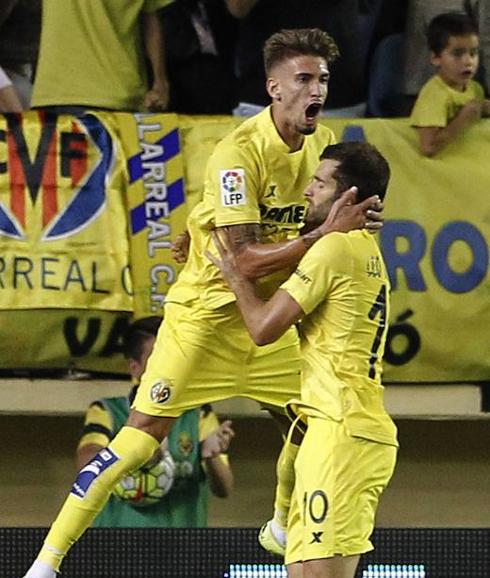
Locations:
(63, 228)
(58, 156)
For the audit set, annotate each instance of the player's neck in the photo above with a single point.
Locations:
(287, 131)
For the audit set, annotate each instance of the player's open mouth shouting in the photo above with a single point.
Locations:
(312, 112)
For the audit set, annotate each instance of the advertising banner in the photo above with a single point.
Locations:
(156, 204)
(89, 207)
(63, 234)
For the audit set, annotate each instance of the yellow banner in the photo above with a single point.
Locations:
(63, 339)
(64, 237)
(435, 243)
(156, 204)
(63, 241)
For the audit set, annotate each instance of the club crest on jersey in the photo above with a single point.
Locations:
(185, 443)
(373, 267)
(160, 392)
(92, 471)
(57, 179)
(233, 190)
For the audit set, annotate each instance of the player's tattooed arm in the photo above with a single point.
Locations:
(239, 236)
(255, 259)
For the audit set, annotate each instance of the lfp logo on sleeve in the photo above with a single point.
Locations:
(233, 190)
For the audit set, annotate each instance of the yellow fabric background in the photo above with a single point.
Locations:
(427, 197)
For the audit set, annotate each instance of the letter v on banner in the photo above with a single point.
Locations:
(156, 205)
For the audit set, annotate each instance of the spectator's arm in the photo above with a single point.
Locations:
(240, 8)
(86, 453)
(96, 434)
(218, 471)
(433, 139)
(9, 100)
(486, 108)
(157, 97)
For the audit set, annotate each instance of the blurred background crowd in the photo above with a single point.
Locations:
(205, 56)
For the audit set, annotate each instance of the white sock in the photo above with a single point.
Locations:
(40, 569)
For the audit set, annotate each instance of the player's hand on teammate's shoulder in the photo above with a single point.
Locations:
(180, 247)
(345, 216)
(218, 442)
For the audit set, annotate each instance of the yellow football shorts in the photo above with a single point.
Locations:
(339, 480)
(203, 356)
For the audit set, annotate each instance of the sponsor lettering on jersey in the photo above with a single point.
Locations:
(92, 471)
(233, 189)
(289, 214)
(303, 276)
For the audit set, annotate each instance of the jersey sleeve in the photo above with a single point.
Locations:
(233, 179)
(431, 108)
(97, 428)
(479, 90)
(318, 271)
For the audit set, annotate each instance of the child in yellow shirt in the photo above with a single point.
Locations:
(451, 100)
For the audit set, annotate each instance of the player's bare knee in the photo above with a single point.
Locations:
(157, 427)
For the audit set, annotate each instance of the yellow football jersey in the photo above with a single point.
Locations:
(251, 177)
(438, 103)
(343, 287)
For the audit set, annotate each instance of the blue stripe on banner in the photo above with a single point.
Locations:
(171, 147)
(175, 198)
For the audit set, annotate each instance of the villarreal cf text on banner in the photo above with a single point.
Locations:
(65, 284)
(62, 218)
(88, 208)
(156, 203)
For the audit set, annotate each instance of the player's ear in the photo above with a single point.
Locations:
(273, 88)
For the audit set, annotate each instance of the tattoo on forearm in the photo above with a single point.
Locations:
(242, 235)
(310, 238)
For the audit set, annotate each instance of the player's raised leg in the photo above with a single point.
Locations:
(133, 446)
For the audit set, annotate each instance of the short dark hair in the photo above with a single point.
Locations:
(137, 334)
(308, 41)
(361, 165)
(448, 24)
